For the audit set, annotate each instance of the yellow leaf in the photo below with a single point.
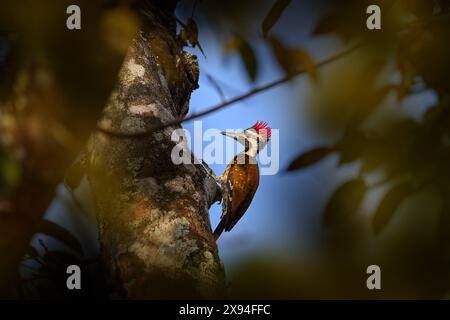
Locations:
(302, 59)
(119, 26)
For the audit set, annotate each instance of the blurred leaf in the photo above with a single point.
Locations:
(351, 146)
(403, 88)
(118, 27)
(419, 7)
(343, 22)
(10, 173)
(249, 59)
(58, 261)
(373, 156)
(189, 34)
(389, 205)
(444, 4)
(282, 55)
(293, 60)
(443, 228)
(369, 102)
(303, 59)
(345, 202)
(274, 15)
(407, 75)
(60, 233)
(32, 252)
(327, 24)
(76, 172)
(400, 140)
(310, 157)
(242, 46)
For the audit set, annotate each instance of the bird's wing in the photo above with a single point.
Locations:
(245, 180)
(242, 208)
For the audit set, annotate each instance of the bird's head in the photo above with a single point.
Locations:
(254, 138)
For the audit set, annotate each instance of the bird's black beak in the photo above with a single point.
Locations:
(230, 135)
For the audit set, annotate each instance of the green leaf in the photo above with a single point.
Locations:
(389, 205)
(60, 233)
(345, 202)
(274, 15)
(309, 158)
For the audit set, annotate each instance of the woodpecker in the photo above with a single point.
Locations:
(240, 180)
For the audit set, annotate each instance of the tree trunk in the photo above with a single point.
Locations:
(153, 215)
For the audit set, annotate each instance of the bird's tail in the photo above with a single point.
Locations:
(219, 229)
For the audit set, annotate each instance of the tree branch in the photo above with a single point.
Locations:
(151, 129)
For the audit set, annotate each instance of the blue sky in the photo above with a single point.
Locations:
(281, 214)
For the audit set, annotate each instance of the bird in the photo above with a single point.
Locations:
(240, 179)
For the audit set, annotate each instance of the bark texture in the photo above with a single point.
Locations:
(153, 216)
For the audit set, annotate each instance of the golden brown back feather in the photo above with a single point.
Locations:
(244, 179)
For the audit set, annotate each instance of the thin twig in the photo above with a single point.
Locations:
(224, 104)
(216, 86)
(239, 98)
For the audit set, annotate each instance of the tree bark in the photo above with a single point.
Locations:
(153, 215)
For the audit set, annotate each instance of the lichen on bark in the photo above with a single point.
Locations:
(153, 215)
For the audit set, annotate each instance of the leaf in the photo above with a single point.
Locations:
(419, 7)
(309, 158)
(118, 27)
(373, 156)
(443, 229)
(189, 34)
(344, 202)
(327, 24)
(282, 55)
(389, 205)
(242, 46)
(60, 233)
(304, 59)
(368, 103)
(274, 15)
(444, 4)
(10, 173)
(249, 59)
(292, 60)
(76, 172)
(351, 146)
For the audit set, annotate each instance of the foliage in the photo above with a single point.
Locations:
(359, 105)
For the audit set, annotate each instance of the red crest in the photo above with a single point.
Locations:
(262, 127)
